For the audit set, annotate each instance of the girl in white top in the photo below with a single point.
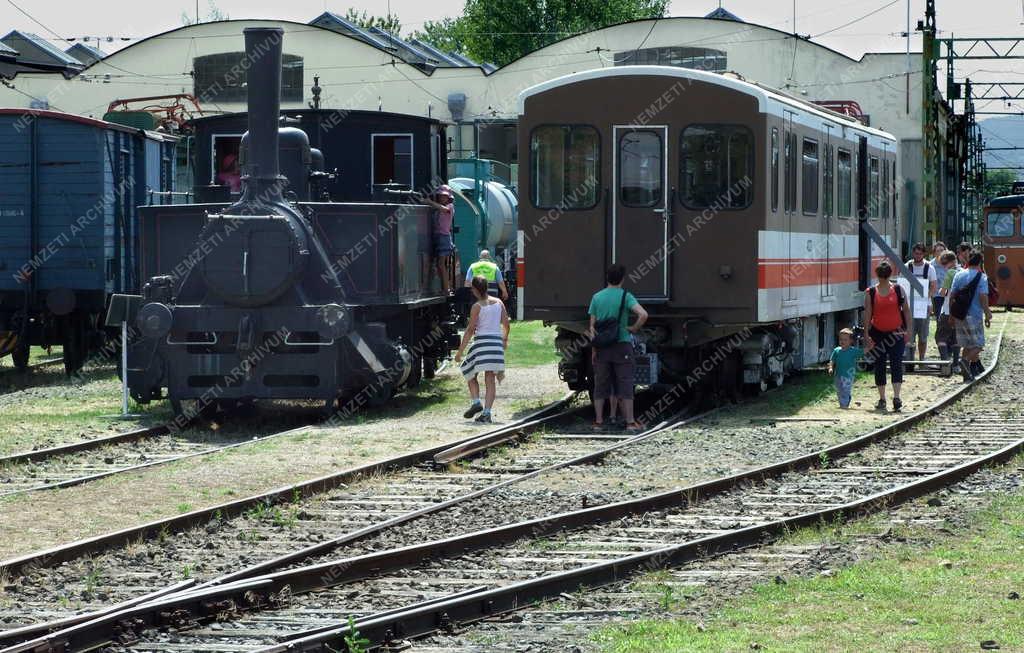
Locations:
(488, 328)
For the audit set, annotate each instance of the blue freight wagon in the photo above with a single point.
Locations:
(69, 190)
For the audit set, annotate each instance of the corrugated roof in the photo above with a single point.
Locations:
(43, 46)
(465, 61)
(435, 53)
(335, 23)
(90, 54)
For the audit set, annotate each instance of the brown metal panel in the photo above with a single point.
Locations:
(566, 251)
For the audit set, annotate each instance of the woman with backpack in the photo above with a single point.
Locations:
(612, 345)
(887, 314)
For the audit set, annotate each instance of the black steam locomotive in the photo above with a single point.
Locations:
(272, 297)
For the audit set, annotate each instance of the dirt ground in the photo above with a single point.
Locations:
(431, 416)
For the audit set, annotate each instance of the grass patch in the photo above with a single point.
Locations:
(948, 596)
(531, 343)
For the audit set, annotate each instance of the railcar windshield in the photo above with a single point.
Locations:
(717, 166)
(999, 224)
(564, 164)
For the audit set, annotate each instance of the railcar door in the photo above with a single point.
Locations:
(640, 208)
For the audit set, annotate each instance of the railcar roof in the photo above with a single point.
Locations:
(84, 120)
(1007, 201)
(762, 93)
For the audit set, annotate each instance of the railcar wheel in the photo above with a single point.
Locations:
(20, 357)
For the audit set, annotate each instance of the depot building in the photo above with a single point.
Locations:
(355, 68)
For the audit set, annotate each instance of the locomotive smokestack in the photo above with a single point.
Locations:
(263, 46)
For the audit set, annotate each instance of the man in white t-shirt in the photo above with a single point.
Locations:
(925, 274)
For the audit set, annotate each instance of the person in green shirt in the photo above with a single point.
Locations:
(614, 369)
(843, 365)
(945, 333)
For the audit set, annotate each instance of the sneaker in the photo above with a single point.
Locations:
(977, 368)
(483, 418)
(473, 410)
(965, 371)
(896, 405)
(880, 405)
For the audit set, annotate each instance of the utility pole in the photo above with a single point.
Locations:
(929, 126)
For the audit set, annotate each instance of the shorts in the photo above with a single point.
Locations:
(921, 329)
(614, 371)
(443, 245)
(970, 332)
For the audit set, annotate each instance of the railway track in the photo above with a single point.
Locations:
(81, 462)
(252, 534)
(400, 588)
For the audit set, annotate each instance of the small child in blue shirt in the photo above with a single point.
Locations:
(843, 365)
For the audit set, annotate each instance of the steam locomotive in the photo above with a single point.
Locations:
(272, 297)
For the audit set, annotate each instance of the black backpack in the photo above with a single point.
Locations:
(960, 302)
(899, 301)
(606, 331)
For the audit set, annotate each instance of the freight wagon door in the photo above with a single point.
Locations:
(640, 208)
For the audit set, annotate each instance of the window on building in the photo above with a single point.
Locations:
(775, 169)
(564, 166)
(640, 169)
(844, 183)
(809, 178)
(392, 159)
(828, 182)
(717, 166)
(873, 187)
(999, 224)
(680, 57)
(221, 77)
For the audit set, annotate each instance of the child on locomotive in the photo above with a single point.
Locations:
(444, 246)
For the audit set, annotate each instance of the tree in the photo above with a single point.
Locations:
(213, 13)
(447, 34)
(390, 24)
(500, 31)
(997, 182)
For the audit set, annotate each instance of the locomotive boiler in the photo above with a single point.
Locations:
(274, 298)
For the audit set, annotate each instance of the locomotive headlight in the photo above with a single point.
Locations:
(1001, 258)
(154, 320)
(335, 321)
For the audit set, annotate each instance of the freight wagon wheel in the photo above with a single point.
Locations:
(20, 357)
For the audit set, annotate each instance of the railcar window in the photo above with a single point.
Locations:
(564, 165)
(774, 181)
(885, 190)
(873, 187)
(828, 182)
(844, 185)
(809, 180)
(790, 171)
(999, 224)
(392, 159)
(640, 169)
(894, 193)
(717, 166)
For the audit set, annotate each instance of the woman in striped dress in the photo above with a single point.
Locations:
(488, 328)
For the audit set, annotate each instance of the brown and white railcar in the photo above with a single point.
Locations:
(734, 208)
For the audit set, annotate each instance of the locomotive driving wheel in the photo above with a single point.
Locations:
(20, 357)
